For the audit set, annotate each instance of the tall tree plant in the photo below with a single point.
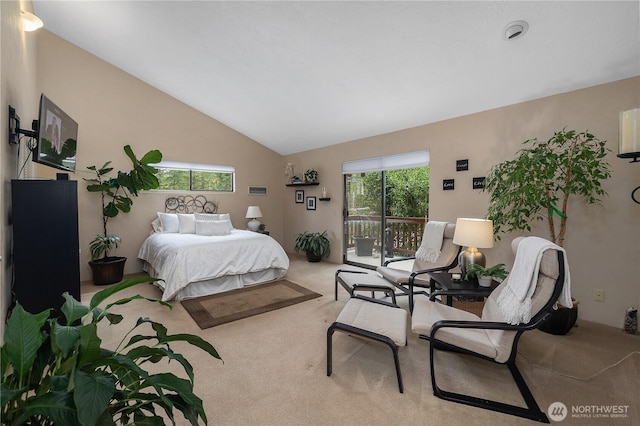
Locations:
(539, 182)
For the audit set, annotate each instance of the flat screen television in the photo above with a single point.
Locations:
(57, 137)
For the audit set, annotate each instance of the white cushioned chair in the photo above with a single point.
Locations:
(490, 337)
(388, 280)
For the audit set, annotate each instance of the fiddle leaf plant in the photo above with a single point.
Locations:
(116, 193)
(56, 372)
(538, 183)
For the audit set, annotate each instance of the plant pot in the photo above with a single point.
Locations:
(364, 245)
(562, 320)
(485, 281)
(107, 271)
(311, 257)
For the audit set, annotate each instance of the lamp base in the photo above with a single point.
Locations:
(253, 225)
(468, 257)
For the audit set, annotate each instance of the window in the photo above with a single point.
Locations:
(174, 175)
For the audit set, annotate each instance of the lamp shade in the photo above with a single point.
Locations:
(473, 233)
(253, 212)
(629, 134)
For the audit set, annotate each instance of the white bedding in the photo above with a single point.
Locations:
(224, 262)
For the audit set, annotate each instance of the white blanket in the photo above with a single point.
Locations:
(515, 300)
(429, 250)
(180, 259)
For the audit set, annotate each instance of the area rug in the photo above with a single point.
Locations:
(220, 308)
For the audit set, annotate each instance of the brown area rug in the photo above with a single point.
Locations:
(220, 308)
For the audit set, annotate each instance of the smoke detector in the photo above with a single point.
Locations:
(514, 30)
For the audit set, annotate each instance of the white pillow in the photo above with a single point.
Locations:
(210, 217)
(169, 222)
(213, 227)
(156, 225)
(187, 223)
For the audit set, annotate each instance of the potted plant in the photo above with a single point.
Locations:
(537, 186)
(311, 176)
(55, 372)
(315, 244)
(486, 275)
(115, 195)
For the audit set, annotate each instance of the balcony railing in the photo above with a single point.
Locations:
(404, 234)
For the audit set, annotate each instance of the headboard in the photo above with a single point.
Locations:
(189, 204)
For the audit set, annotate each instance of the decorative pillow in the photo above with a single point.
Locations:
(169, 222)
(210, 217)
(187, 223)
(213, 227)
(156, 225)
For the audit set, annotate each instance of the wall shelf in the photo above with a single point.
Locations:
(325, 199)
(304, 184)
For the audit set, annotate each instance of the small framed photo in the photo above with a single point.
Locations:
(311, 203)
(448, 184)
(462, 165)
(299, 196)
(478, 182)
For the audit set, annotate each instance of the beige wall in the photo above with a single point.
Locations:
(17, 80)
(114, 109)
(601, 241)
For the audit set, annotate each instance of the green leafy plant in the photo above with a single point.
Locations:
(116, 193)
(496, 271)
(311, 175)
(315, 243)
(538, 183)
(58, 374)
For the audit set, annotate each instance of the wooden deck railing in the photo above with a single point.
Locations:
(404, 234)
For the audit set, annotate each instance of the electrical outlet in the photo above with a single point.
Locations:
(598, 295)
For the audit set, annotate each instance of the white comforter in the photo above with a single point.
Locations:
(180, 259)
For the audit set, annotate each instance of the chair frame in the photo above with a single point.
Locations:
(367, 334)
(405, 291)
(532, 411)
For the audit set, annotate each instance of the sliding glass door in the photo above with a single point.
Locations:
(386, 209)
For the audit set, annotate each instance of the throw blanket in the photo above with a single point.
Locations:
(515, 300)
(429, 250)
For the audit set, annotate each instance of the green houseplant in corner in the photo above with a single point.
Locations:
(56, 372)
(315, 244)
(115, 195)
(537, 186)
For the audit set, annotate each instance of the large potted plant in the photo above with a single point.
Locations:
(56, 372)
(537, 186)
(316, 245)
(115, 195)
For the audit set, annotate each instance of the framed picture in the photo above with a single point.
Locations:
(478, 182)
(462, 165)
(299, 196)
(448, 184)
(311, 203)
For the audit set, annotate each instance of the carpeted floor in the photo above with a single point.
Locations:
(274, 369)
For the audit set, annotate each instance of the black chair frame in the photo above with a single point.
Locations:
(405, 291)
(532, 411)
(366, 334)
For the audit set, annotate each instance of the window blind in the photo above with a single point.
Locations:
(406, 160)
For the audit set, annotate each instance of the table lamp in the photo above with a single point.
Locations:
(253, 212)
(472, 234)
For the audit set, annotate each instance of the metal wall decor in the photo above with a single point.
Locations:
(462, 165)
(448, 184)
(189, 204)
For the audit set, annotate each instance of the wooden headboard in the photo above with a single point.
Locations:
(189, 204)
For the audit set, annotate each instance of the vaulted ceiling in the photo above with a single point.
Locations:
(298, 75)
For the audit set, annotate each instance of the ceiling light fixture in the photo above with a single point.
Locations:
(30, 22)
(515, 29)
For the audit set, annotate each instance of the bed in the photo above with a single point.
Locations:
(197, 254)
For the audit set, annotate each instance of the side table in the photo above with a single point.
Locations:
(450, 288)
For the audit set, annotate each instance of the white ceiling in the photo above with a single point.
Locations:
(296, 75)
